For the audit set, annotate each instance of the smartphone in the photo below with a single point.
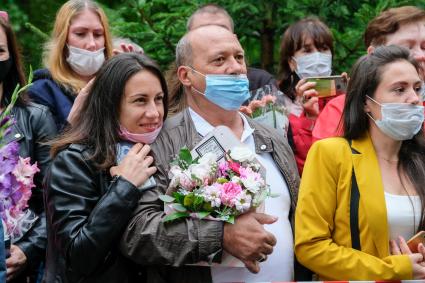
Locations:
(416, 240)
(329, 86)
(122, 149)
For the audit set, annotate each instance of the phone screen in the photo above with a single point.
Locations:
(122, 149)
(329, 86)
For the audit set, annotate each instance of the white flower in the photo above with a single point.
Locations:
(212, 194)
(242, 154)
(251, 184)
(200, 171)
(208, 159)
(175, 171)
(236, 179)
(243, 202)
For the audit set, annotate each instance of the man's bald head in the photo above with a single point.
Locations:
(197, 38)
(210, 14)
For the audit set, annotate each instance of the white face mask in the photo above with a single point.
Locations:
(84, 62)
(316, 64)
(400, 121)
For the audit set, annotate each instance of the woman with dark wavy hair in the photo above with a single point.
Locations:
(94, 185)
(363, 195)
(306, 51)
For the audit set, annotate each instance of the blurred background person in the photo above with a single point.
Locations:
(306, 51)
(361, 192)
(211, 14)
(89, 197)
(34, 125)
(403, 26)
(79, 44)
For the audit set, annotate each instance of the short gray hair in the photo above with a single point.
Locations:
(184, 51)
(209, 9)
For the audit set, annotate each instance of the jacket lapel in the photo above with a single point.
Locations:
(372, 199)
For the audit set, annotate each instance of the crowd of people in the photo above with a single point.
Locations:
(348, 176)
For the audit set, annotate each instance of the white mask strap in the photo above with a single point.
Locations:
(195, 71)
(373, 100)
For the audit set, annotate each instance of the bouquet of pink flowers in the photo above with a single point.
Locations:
(16, 178)
(205, 188)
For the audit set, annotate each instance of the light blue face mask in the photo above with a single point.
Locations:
(226, 91)
(400, 121)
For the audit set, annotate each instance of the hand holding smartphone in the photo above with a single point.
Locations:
(413, 242)
(122, 149)
(329, 86)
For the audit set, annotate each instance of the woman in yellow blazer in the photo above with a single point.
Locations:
(342, 225)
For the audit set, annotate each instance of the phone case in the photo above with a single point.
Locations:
(416, 240)
(122, 150)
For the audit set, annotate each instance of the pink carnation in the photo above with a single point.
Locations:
(246, 109)
(255, 104)
(268, 99)
(229, 193)
(223, 167)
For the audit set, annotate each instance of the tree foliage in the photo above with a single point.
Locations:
(157, 25)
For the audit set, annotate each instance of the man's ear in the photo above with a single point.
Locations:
(370, 49)
(182, 74)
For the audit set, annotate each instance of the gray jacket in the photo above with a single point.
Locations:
(165, 248)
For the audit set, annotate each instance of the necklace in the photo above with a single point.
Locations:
(388, 160)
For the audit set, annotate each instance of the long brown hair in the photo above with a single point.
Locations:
(16, 73)
(55, 51)
(97, 124)
(292, 41)
(365, 77)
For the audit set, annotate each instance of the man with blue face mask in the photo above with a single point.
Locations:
(212, 69)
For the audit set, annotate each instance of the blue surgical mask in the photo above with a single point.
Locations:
(400, 121)
(226, 91)
(317, 64)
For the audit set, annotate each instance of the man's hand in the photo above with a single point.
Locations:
(248, 240)
(16, 262)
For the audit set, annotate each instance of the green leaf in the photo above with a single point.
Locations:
(202, 214)
(179, 197)
(174, 216)
(179, 207)
(188, 200)
(185, 155)
(198, 201)
(166, 198)
(231, 219)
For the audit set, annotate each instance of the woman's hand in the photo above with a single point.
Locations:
(135, 167)
(417, 259)
(125, 48)
(79, 101)
(308, 95)
(16, 262)
(400, 248)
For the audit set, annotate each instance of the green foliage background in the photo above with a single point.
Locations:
(157, 25)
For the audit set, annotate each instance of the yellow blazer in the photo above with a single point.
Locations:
(322, 219)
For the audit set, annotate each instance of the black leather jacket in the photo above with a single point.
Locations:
(34, 126)
(87, 212)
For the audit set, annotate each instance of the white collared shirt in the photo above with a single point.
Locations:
(279, 265)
